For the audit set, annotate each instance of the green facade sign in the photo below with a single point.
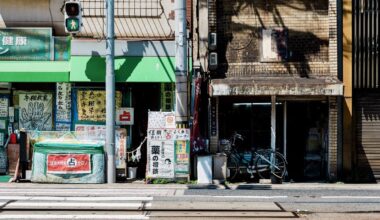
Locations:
(26, 44)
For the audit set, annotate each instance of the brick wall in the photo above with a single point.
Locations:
(311, 29)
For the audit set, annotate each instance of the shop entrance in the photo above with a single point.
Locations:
(145, 97)
(307, 140)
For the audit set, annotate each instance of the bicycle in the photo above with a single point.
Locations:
(266, 163)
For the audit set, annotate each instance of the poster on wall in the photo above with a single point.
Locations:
(4, 103)
(91, 104)
(182, 162)
(91, 131)
(60, 126)
(161, 159)
(161, 120)
(63, 102)
(36, 111)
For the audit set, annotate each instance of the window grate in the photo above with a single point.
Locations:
(123, 8)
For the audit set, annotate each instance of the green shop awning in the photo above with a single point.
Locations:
(34, 71)
(127, 69)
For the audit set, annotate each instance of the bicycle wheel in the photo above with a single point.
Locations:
(233, 167)
(263, 165)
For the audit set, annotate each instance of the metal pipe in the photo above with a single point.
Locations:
(273, 123)
(110, 94)
(285, 127)
(181, 109)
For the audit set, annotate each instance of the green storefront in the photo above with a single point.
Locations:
(38, 65)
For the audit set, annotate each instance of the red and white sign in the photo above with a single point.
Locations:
(124, 116)
(68, 163)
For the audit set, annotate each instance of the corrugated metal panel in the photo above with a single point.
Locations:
(368, 137)
(366, 44)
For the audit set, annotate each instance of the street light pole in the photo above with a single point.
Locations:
(110, 94)
(181, 111)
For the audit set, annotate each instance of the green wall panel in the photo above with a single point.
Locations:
(34, 71)
(127, 69)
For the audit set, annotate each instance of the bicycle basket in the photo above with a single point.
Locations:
(225, 145)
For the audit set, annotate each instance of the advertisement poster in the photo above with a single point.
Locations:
(63, 102)
(169, 134)
(182, 150)
(4, 102)
(91, 104)
(68, 163)
(125, 116)
(36, 111)
(161, 159)
(91, 131)
(121, 148)
(161, 120)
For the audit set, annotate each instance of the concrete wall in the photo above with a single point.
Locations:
(47, 13)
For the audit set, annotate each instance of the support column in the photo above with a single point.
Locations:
(285, 128)
(348, 140)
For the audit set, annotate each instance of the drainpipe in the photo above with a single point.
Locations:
(181, 109)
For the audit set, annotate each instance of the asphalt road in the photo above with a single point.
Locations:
(308, 201)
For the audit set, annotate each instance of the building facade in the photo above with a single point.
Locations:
(273, 77)
(361, 150)
(70, 70)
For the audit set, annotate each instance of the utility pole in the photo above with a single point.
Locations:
(181, 110)
(110, 94)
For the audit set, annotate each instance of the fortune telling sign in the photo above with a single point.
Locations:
(92, 104)
(36, 111)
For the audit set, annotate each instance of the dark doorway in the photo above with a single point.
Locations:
(307, 130)
(145, 97)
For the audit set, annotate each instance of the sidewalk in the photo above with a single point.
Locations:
(229, 186)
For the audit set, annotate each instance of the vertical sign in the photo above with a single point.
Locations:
(182, 149)
(4, 102)
(36, 111)
(63, 107)
(213, 118)
(121, 148)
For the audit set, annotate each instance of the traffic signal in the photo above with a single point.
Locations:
(73, 16)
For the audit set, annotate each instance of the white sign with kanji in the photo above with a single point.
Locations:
(124, 116)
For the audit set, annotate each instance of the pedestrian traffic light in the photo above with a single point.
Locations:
(73, 16)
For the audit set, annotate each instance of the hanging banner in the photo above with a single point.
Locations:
(125, 116)
(121, 148)
(4, 103)
(161, 159)
(63, 102)
(91, 104)
(36, 111)
(68, 163)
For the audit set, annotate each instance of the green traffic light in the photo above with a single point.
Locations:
(72, 24)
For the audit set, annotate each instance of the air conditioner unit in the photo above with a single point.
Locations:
(212, 41)
(213, 61)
